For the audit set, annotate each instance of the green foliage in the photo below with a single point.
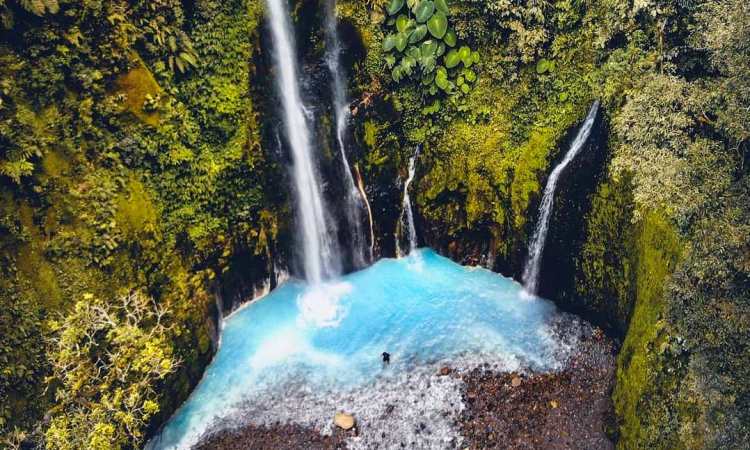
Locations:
(659, 145)
(40, 7)
(22, 360)
(421, 38)
(132, 175)
(108, 358)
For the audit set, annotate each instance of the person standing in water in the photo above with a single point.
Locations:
(386, 358)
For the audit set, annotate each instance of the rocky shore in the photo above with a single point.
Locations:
(571, 409)
(568, 409)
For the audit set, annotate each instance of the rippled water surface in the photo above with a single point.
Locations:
(423, 309)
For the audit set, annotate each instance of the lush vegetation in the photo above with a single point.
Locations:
(130, 172)
(138, 160)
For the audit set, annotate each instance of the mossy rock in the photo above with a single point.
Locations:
(140, 88)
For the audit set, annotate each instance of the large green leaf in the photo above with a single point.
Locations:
(402, 22)
(427, 63)
(441, 81)
(401, 41)
(414, 52)
(442, 6)
(396, 74)
(470, 76)
(450, 38)
(441, 49)
(424, 10)
(452, 59)
(389, 42)
(543, 66)
(418, 34)
(429, 48)
(395, 6)
(465, 53)
(438, 25)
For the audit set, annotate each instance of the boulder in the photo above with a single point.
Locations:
(344, 420)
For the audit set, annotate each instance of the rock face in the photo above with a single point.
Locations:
(344, 420)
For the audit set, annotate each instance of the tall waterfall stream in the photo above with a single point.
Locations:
(319, 249)
(354, 198)
(539, 238)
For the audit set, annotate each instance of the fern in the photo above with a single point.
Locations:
(40, 7)
(16, 169)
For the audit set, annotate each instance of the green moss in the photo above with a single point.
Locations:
(138, 86)
(533, 160)
(606, 266)
(55, 164)
(136, 214)
(640, 366)
(32, 264)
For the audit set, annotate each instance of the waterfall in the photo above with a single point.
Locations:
(361, 186)
(406, 211)
(353, 201)
(536, 247)
(319, 250)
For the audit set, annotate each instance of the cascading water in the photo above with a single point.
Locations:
(406, 213)
(353, 201)
(319, 250)
(536, 248)
(361, 186)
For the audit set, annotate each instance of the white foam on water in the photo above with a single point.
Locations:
(321, 306)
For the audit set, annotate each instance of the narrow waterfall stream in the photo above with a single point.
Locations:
(353, 199)
(407, 215)
(361, 186)
(320, 253)
(536, 247)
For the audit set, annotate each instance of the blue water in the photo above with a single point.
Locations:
(421, 309)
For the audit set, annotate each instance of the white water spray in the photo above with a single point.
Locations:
(536, 248)
(407, 214)
(319, 250)
(353, 201)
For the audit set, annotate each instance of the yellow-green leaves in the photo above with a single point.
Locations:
(106, 397)
(452, 59)
(40, 7)
(438, 25)
(545, 66)
(450, 38)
